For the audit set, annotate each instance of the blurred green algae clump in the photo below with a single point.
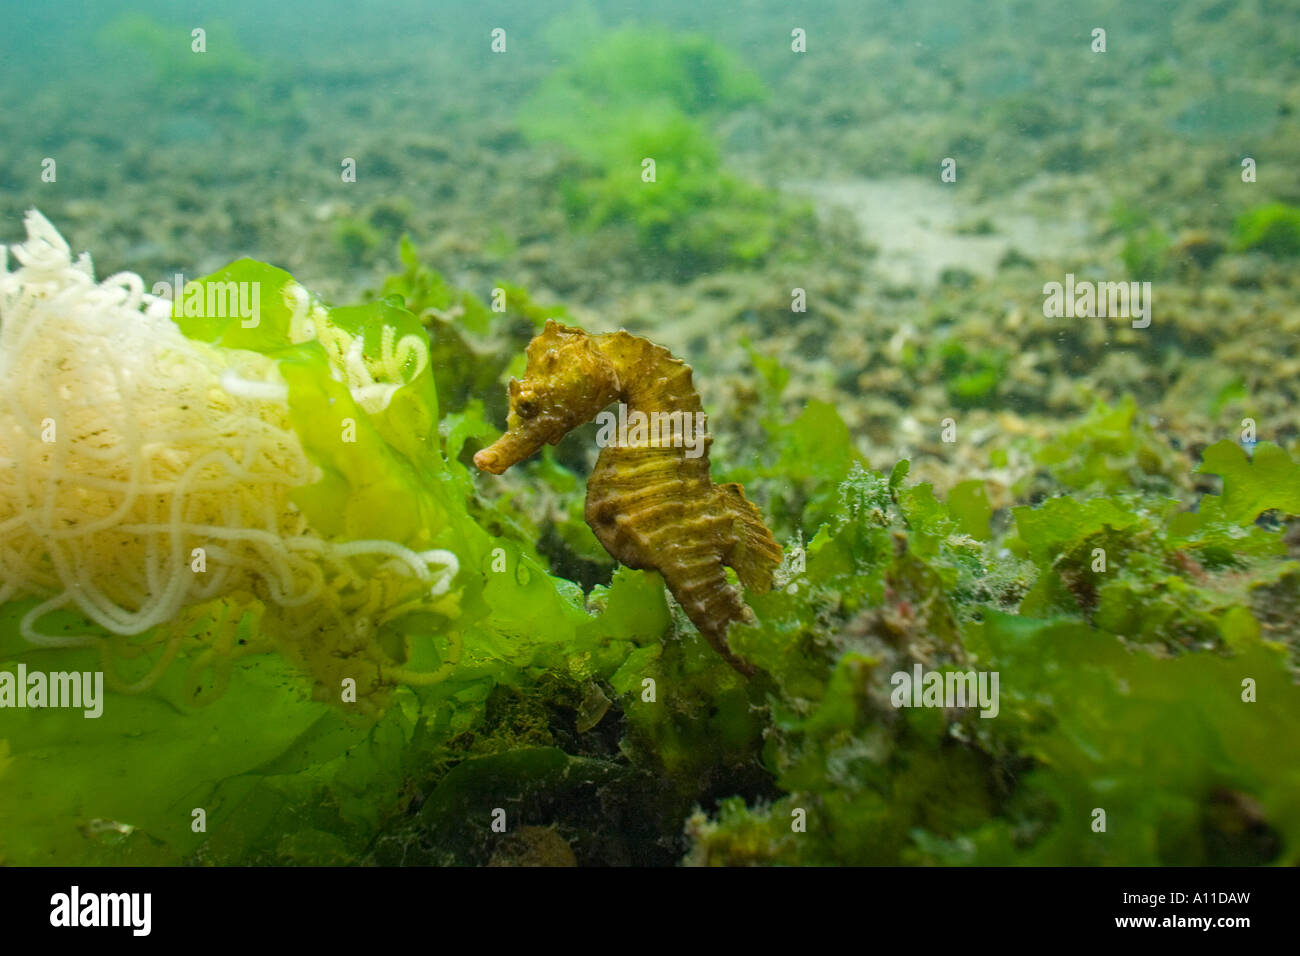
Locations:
(183, 64)
(627, 68)
(1273, 228)
(636, 109)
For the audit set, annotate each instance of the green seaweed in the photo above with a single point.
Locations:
(972, 376)
(1186, 768)
(635, 69)
(357, 240)
(1144, 635)
(1273, 229)
(1147, 249)
(305, 781)
(1111, 450)
(181, 72)
(635, 111)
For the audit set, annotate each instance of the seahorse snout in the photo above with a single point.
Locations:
(518, 443)
(488, 460)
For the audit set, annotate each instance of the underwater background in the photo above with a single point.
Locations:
(855, 212)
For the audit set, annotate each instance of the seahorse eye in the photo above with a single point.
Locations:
(527, 408)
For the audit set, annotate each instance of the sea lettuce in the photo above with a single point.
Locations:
(281, 765)
(1187, 749)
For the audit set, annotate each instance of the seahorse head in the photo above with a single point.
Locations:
(567, 381)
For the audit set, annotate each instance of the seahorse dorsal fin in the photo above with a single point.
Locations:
(755, 554)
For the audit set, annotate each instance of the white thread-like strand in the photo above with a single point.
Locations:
(125, 448)
(256, 391)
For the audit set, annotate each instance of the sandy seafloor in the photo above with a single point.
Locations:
(1055, 146)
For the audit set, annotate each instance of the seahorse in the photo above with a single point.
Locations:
(651, 502)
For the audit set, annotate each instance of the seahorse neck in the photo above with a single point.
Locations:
(649, 378)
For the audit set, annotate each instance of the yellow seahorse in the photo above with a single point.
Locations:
(650, 500)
